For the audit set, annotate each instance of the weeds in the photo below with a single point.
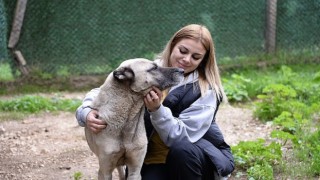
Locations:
(257, 158)
(291, 105)
(35, 104)
(290, 100)
(235, 88)
(6, 74)
(77, 175)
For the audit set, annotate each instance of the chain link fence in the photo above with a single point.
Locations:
(92, 37)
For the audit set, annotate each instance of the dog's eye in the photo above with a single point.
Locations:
(155, 67)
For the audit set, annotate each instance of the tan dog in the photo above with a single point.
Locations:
(120, 103)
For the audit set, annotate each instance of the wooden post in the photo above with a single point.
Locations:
(15, 36)
(17, 23)
(21, 62)
(271, 19)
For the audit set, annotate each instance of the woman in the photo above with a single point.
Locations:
(184, 140)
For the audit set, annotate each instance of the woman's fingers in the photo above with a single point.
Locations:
(153, 99)
(93, 123)
(157, 91)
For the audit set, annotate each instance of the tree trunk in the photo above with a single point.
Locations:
(17, 23)
(271, 19)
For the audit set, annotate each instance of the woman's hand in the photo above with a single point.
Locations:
(93, 123)
(153, 99)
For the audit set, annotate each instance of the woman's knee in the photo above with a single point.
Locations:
(184, 151)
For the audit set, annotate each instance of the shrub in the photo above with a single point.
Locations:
(290, 122)
(250, 153)
(273, 101)
(235, 88)
(261, 172)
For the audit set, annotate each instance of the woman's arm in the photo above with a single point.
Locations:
(84, 109)
(191, 124)
(89, 117)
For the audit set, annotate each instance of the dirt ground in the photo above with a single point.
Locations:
(52, 146)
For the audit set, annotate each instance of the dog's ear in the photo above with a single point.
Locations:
(123, 74)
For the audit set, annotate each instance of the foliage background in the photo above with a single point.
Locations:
(92, 37)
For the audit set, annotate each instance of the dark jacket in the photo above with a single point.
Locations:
(212, 142)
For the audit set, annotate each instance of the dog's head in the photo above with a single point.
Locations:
(141, 74)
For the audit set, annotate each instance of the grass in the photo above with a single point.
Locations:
(245, 85)
(9, 116)
(261, 77)
(6, 74)
(17, 108)
(288, 96)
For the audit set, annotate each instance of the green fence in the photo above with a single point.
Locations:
(92, 37)
(3, 33)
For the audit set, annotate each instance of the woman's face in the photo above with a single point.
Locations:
(187, 54)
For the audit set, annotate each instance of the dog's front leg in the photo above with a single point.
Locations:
(109, 153)
(134, 162)
(105, 169)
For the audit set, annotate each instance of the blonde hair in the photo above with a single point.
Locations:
(208, 70)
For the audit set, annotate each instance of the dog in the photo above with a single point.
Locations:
(120, 103)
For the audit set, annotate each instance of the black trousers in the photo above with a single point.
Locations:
(185, 161)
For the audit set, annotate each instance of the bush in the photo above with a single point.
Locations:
(273, 101)
(251, 153)
(235, 88)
